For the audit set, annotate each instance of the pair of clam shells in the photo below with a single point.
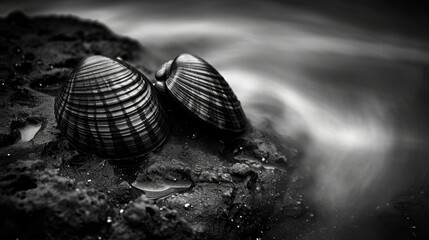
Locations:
(109, 108)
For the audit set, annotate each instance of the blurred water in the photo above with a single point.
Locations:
(351, 94)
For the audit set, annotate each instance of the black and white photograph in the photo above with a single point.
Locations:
(214, 120)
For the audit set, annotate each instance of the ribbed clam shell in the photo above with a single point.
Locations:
(108, 108)
(197, 86)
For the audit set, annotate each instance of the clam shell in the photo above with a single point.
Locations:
(198, 87)
(108, 108)
(161, 74)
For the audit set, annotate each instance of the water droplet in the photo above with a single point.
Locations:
(238, 226)
(121, 210)
(194, 136)
(413, 227)
(187, 205)
(109, 220)
(18, 50)
(89, 180)
(263, 159)
(8, 154)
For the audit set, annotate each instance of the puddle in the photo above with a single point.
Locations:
(156, 190)
(29, 131)
(258, 164)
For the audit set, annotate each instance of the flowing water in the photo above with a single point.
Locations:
(349, 89)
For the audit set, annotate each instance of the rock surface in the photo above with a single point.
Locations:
(203, 183)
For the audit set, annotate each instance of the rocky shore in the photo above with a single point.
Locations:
(201, 184)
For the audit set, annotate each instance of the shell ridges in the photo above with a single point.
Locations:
(108, 108)
(198, 86)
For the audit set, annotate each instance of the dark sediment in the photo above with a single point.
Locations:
(221, 186)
